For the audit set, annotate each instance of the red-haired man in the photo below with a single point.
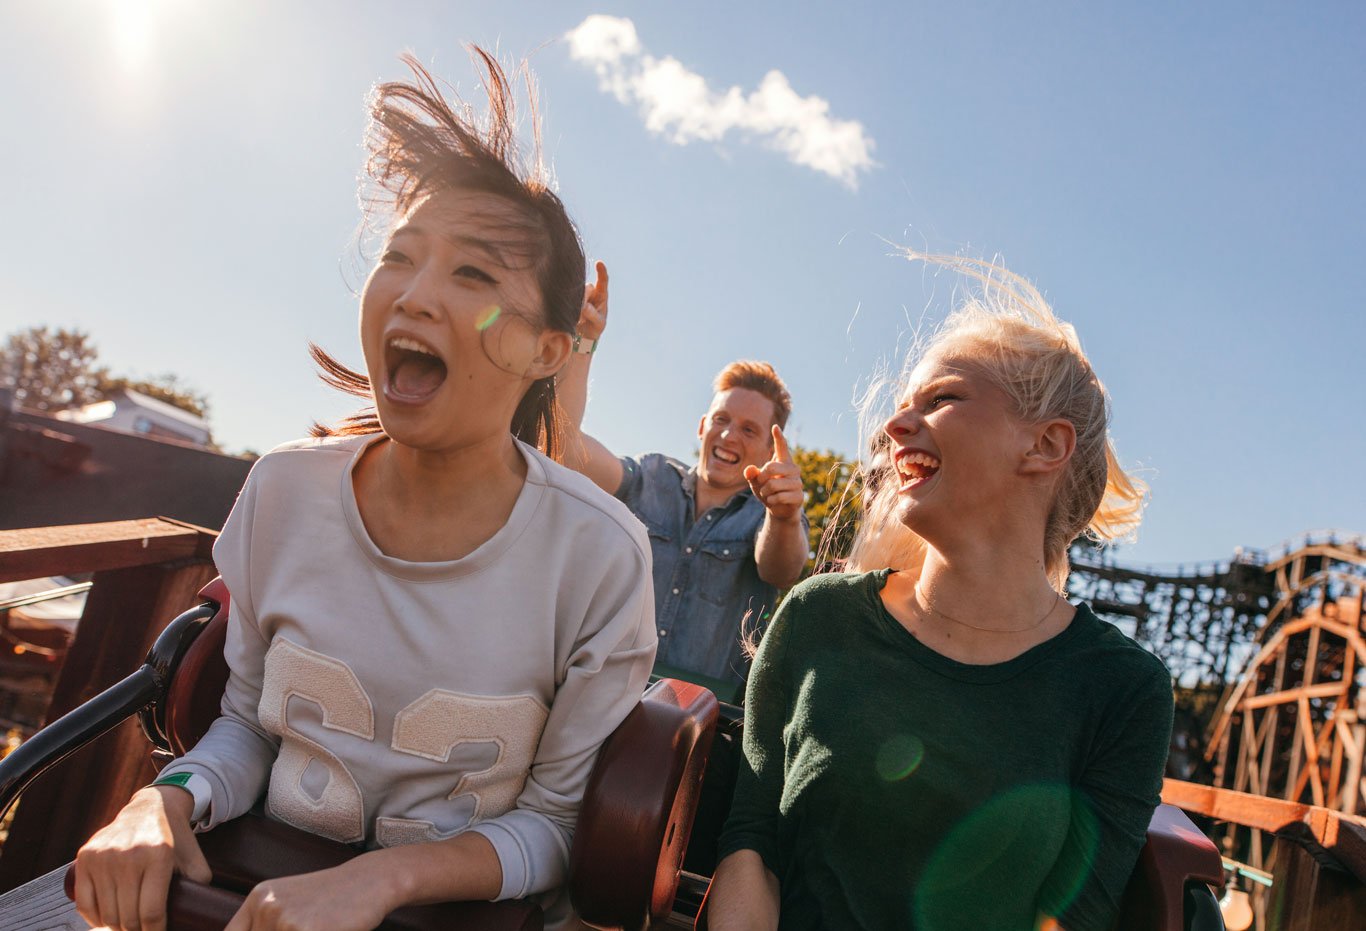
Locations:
(727, 533)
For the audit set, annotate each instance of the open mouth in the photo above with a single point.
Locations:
(415, 370)
(915, 467)
(722, 455)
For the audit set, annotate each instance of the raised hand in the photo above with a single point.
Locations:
(778, 485)
(593, 316)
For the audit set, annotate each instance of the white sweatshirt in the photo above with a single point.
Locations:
(389, 702)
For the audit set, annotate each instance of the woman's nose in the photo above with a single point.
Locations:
(902, 424)
(419, 299)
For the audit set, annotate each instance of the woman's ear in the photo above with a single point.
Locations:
(552, 351)
(1052, 447)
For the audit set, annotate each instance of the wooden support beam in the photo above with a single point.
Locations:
(1311, 655)
(1322, 690)
(1335, 763)
(1341, 835)
(43, 551)
(1305, 728)
(1352, 794)
(126, 608)
(1307, 896)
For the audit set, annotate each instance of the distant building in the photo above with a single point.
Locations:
(130, 411)
(142, 459)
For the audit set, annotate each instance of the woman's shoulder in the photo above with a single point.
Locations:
(1115, 658)
(841, 587)
(817, 600)
(304, 462)
(584, 505)
(312, 452)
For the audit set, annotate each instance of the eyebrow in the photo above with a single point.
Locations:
(927, 387)
(741, 421)
(488, 249)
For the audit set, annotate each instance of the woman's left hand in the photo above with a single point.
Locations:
(593, 314)
(344, 898)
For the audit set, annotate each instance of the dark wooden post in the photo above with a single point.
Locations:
(1313, 893)
(1320, 855)
(146, 572)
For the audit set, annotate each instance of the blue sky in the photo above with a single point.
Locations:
(1184, 182)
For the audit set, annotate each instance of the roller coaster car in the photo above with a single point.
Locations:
(628, 846)
(633, 830)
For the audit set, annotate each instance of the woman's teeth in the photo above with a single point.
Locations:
(410, 345)
(916, 465)
(415, 369)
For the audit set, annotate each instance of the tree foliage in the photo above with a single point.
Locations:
(169, 387)
(50, 370)
(54, 370)
(832, 502)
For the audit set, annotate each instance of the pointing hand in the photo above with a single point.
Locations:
(778, 485)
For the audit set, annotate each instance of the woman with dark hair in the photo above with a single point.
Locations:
(936, 738)
(421, 662)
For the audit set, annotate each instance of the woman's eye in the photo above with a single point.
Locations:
(939, 399)
(392, 256)
(477, 274)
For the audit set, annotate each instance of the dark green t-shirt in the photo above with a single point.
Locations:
(887, 786)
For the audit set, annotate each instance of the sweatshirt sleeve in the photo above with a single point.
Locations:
(605, 671)
(1120, 788)
(754, 817)
(236, 754)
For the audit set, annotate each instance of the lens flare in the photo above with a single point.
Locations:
(1000, 847)
(487, 318)
(899, 757)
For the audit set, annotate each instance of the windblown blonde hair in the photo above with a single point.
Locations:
(1010, 335)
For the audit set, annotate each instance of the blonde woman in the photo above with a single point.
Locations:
(936, 738)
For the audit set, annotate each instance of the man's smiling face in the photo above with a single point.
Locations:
(737, 431)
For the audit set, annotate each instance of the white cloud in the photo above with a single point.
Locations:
(679, 105)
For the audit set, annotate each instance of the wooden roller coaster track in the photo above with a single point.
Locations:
(1281, 632)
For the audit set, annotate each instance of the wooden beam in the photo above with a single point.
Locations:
(43, 551)
(1311, 752)
(125, 611)
(1339, 834)
(1311, 655)
(1307, 896)
(1322, 690)
(1335, 762)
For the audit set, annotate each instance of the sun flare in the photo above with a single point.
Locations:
(133, 26)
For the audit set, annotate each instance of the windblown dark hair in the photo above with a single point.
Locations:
(420, 143)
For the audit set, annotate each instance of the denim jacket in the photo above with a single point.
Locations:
(707, 587)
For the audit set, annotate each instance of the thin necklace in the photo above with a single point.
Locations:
(926, 606)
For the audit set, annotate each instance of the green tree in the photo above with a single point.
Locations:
(50, 370)
(169, 387)
(832, 502)
(53, 370)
